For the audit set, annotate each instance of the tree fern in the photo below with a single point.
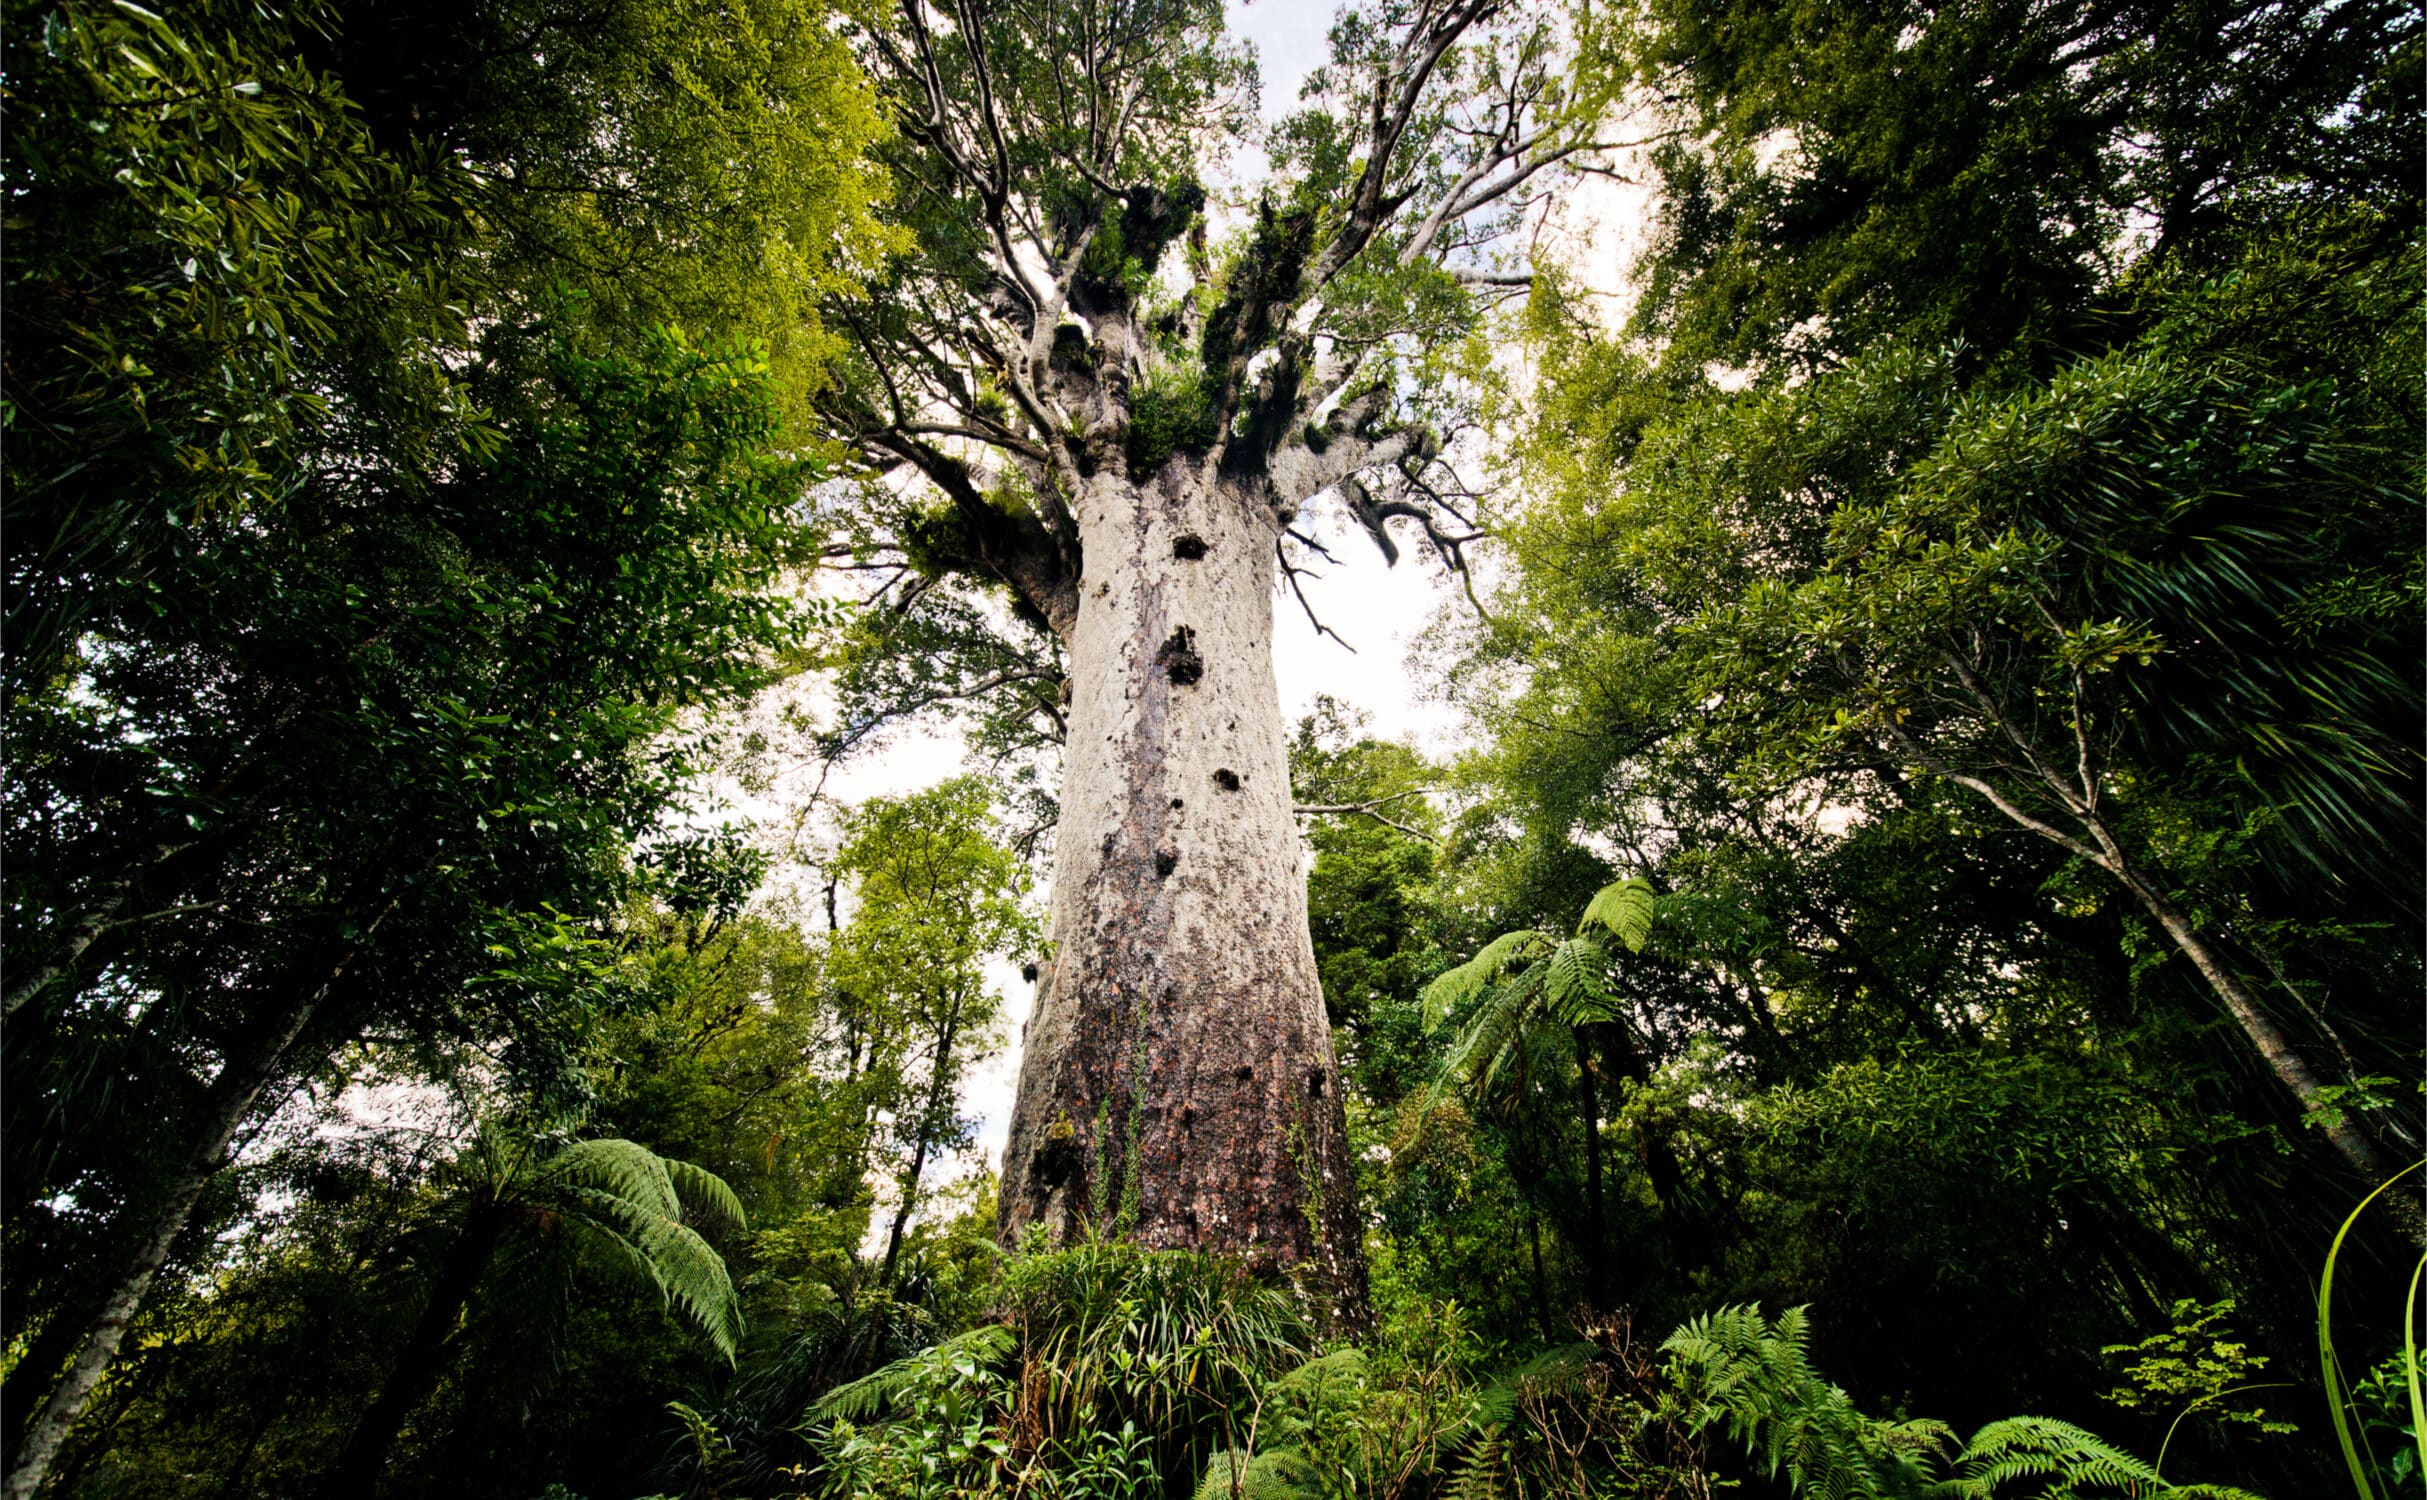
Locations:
(1463, 983)
(631, 1209)
(1575, 983)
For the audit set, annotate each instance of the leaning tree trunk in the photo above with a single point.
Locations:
(1178, 1083)
(230, 1100)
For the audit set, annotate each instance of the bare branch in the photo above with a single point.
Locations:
(1368, 810)
(1291, 572)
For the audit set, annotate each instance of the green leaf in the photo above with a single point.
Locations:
(1623, 907)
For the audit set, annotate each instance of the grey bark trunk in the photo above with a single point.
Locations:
(2282, 1057)
(1177, 1082)
(232, 1097)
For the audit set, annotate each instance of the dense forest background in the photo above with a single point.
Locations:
(1968, 598)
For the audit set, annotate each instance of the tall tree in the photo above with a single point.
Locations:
(934, 898)
(1118, 423)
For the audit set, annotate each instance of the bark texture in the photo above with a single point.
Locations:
(1177, 1081)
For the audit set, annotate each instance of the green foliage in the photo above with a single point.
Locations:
(2195, 1366)
(2349, 1429)
(963, 1355)
(1169, 414)
(1752, 1377)
(1624, 909)
(378, 567)
(636, 1209)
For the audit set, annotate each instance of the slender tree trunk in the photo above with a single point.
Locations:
(939, 1080)
(1660, 1163)
(30, 1381)
(2283, 1058)
(1178, 1041)
(1596, 1251)
(2080, 801)
(230, 1100)
(424, 1359)
(94, 922)
(1542, 1294)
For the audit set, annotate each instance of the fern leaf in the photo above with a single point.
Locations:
(1624, 908)
(1575, 983)
(2043, 1447)
(625, 1169)
(1463, 983)
(1488, 1034)
(1234, 1474)
(872, 1393)
(1483, 1475)
(708, 1202)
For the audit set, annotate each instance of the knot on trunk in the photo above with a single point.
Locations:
(1179, 657)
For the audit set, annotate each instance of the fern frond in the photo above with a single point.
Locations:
(1321, 1380)
(1755, 1379)
(624, 1169)
(1463, 983)
(1496, 1403)
(1234, 1474)
(2043, 1447)
(1623, 908)
(872, 1393)
(1575, 983)
(666, 1254)
(1484, 1475)
(1490, 1030)
(708, 1202)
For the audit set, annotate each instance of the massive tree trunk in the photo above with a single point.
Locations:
(1177, 1081)
(1123, 456)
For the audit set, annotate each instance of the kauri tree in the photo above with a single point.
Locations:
(1078, 394)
